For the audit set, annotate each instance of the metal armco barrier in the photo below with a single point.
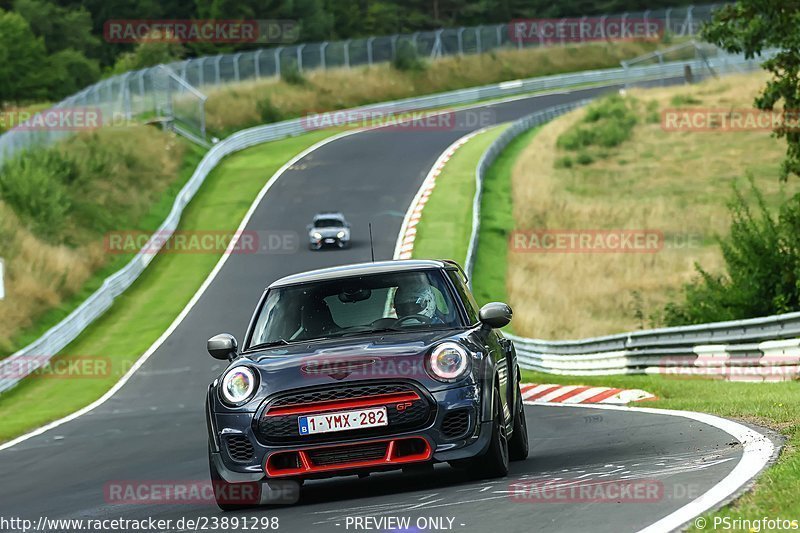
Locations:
(59, 336)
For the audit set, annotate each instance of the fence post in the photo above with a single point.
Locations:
(256, 63)
(236, 66)
(583, 20)
(216, 68)
(2, 283)
(689, 20)
(622, 24)
(563, 42)
(369, 50)
(347, 53)
(603, 26)
(323, 63)
(498, 29)
(277, 56)
(300, 57)
(667, 13)
(126, 96)
(478, 39)
(460, 36)
(394, 45)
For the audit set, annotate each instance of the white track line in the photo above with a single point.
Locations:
(758, 450)
(175, 323)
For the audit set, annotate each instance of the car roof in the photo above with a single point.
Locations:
(359, 269)
(332, 214)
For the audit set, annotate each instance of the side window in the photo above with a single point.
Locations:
(470, 305)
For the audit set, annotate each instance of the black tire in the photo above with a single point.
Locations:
(494, 462)
(225, 493)
(518, 444)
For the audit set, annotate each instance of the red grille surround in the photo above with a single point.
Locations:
(300, 462)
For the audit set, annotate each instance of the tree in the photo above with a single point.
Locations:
(752, 27)
(148, 54)
(59, 27)
(22, 59)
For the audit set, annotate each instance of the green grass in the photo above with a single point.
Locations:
(774, 405)
(497, 221)
(143, 312)
(444, 229)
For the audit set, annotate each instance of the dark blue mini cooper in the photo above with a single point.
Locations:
(363, 368)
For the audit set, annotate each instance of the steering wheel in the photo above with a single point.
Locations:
(422, 319)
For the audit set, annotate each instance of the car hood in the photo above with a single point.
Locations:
(398, 356)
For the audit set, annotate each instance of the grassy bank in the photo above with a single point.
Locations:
(134, 322)
(56, 206)
(772, 405)
(247, 104)
(614, 167)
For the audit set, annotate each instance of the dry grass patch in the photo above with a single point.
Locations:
(257, 102)
(677, 183)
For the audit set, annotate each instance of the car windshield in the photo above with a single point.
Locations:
(328, 223)
(399, 301)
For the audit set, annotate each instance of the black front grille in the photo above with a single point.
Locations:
(283, 429)
(340, 393)
(456, 423)
(348, 454)
(239, 448)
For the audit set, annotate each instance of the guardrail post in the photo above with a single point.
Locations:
(256, 63)
(323, 63)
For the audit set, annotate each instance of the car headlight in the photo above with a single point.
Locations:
(448, 361)
(238, 385)
(340, 235)
(317, 235)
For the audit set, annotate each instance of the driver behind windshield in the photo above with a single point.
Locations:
(419, 300)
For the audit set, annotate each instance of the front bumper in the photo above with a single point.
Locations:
(335, 242)
(434, 443)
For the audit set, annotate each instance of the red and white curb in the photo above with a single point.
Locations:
(578, 394)
(405, 245)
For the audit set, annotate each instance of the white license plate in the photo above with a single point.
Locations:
(343, 421)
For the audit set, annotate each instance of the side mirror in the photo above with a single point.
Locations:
(495, 315)
(222, 346)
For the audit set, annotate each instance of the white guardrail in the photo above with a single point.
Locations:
(36, 355)
(753, 349)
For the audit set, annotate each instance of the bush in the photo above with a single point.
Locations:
(268, 111)
(684, 99)
(291, 74)
(584, 159)
(564, 162)
(607, 123)
(406, 58)
(762, 263)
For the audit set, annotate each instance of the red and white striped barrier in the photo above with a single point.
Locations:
(550, 393)
(405, 246)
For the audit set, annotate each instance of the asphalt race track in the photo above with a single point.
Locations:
(154, 429)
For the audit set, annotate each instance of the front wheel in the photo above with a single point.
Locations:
(494, 462)
(232, 496)
(518, 445)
